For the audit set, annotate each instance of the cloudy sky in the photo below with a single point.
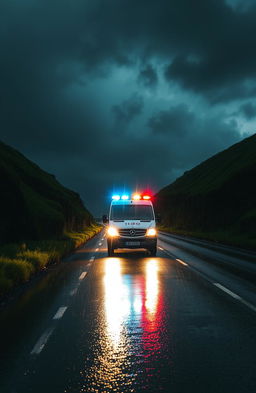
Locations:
(107, 94)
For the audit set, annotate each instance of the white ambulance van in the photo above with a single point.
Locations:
(131, 223)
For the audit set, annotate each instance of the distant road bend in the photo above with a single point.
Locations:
(179, 322)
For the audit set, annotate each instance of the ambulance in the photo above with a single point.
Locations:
(131, 223)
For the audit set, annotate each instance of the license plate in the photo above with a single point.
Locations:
(132, 243)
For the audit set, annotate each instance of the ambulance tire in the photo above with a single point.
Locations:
(153, 251)
(110, 250)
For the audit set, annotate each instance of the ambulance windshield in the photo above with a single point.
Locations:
(131, 212)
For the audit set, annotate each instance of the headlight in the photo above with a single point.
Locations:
(112, 231)
(151, 232)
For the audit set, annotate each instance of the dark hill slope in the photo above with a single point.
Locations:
(219, 194)
(33, 204)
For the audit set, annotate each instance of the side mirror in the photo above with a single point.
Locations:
(105, 219)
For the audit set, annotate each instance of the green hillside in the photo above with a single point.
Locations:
(41, 221)
(216, 199)
(33, 204)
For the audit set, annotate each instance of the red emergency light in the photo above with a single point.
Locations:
(143, 196)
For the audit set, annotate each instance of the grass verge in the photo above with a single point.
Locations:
(224, 237)
(18, 262)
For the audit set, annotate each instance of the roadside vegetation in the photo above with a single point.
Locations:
(41, 220)
(19, 261)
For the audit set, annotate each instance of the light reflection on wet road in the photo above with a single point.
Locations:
(128, 333)
(135, 324)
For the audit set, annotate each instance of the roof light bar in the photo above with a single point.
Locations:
(135, 197)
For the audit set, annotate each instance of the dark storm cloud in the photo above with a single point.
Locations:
(248, 110)
(95, 34)
(52, 50)
(128, 109)
(209, 45)
(219, 79)
(155, 157)
(148, 76)
(224, 61)
(175, 121)
(241, 5)
(197, 145)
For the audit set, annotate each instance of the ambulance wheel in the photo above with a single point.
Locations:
(153, 251)
(110, 250)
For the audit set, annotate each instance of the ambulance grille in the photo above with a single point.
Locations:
(132, 232)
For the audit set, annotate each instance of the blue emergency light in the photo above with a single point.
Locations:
(116, 197)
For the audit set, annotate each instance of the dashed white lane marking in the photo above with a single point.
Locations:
(100, 244)
(59, 314)
(224, 289)
(182, 262)
(73, 292)
(168, 253)
(82, 276)
(251, 306)
(96, 249)
(42, 341)
(216, 284)
(172, 256)
(89, 264)
(92, 259)
(235, 296)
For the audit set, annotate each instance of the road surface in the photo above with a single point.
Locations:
(184, 321)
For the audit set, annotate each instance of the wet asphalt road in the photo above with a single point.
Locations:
(131, 323)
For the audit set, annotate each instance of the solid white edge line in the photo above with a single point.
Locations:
(182, 262)
(59, 314)
(42, 341)
(82, 276)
